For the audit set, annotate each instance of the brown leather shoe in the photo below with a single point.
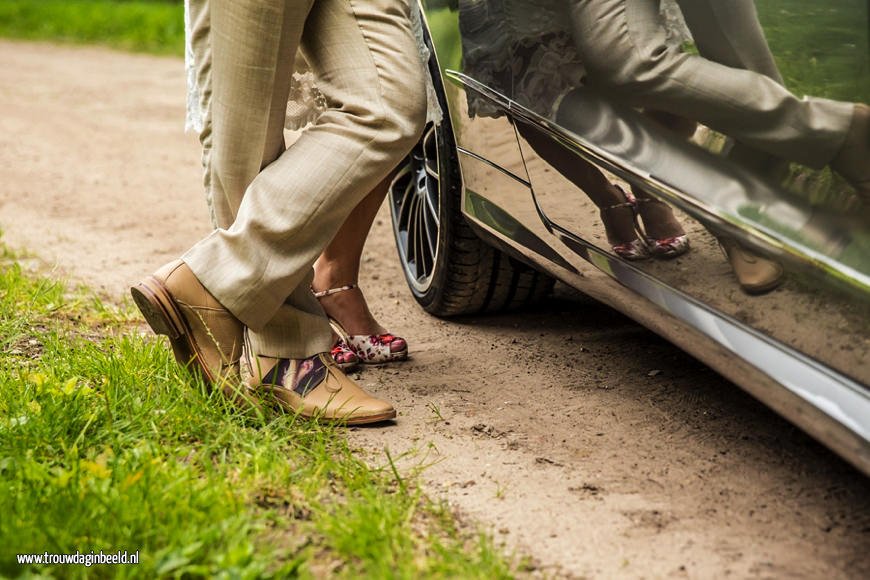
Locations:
(316, 388)
(204, 335)
(755, 274)
(853, 160)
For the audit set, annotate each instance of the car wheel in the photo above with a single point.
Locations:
(448, 268)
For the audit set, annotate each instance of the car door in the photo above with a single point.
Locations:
(804, 223)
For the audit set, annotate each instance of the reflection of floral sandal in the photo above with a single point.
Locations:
(657, 214)
(623, 231)
(367, 348)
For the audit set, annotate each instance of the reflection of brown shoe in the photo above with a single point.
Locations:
(204, 335)
(853, 160)
(316, 388)
(755, 274)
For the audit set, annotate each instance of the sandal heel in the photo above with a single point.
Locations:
(614, 220)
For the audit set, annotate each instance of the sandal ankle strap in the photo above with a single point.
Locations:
(331, 291)
(618, 206)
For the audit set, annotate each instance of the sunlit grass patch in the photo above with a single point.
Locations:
(106, 444)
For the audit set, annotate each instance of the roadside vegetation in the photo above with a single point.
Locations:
(153, 26)
(106, 444)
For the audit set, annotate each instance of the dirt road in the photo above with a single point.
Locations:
(570, 433)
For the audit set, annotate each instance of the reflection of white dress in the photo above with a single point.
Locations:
(526, 50)
(305, 102)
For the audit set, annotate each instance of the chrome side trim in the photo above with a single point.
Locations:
(494, 166)
(838, 397)
(466, 81)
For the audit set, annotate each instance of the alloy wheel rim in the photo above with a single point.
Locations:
(414, 207)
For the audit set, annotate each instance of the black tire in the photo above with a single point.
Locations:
(450, 270)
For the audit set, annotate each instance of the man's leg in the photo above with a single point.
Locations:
(259, 267)
(622, 43)
(245, 273)
(242, 55)
(729, 33)
(248, 134)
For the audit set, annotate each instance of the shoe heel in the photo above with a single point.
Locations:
(157, 308)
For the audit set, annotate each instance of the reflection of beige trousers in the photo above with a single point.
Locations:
(622, 43)
(276, 209)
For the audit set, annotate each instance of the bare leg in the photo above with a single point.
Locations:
(659, 221)
(339, 265)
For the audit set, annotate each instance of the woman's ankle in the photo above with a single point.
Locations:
(350, 309)
(333, 274)
(658, 219)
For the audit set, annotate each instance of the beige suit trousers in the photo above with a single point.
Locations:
(622, 43)
(276, 208)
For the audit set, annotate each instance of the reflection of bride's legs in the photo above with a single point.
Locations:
(617, 210)
(665, 235)
(620, 223)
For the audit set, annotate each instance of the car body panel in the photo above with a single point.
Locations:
(802, 349)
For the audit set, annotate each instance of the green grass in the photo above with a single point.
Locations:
(106, 444)
(821, 47)
(155, 27)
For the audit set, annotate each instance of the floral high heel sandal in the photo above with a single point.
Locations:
(366, 348)
(345, 358)
(623, 230)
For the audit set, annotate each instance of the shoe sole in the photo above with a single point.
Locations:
(369, 420)
(163, 316)
(762, 288)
